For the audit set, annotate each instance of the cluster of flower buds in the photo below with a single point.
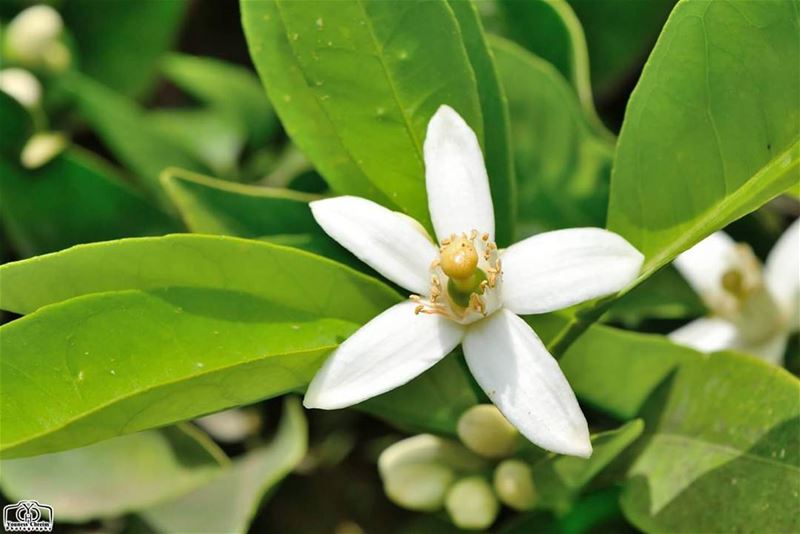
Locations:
(470, 478)
(34, 41)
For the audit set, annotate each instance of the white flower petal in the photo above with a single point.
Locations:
(387, 352)
(704, 264)
(554, 270)
(782, 273)
(455, 176)
(525, 382)
(385, 240)
(707, 334)
(771, 351)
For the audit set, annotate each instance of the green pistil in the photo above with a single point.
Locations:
(460, 290)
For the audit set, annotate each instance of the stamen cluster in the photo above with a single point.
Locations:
(464, 279)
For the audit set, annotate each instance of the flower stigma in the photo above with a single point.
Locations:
(464, 279)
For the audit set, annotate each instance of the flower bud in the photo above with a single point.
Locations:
(472, 504)
(484, 430)
(41, 148)
(22, 86)
(418, 471)
(32, 33)
(418, 486)
(230, 426)
(429, 448)
(513, 483)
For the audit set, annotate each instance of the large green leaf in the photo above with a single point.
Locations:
(227, 88)
(297, 105)
(369, 74)
(212, 206)
(281, 275)
(108, 364)
(723, 435)
(116, 476)
(73, 199)
(120, 42)
(496, 122)
(125, 130)
(694, 155)
(280, 216)
(562, 166)
(229, 502)
(620, 34)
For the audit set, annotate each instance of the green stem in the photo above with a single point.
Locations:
(577, 325)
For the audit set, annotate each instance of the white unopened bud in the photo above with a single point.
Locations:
(513, 483)
(230, 426)
(485, 431)
(22, 86)
(418, 471)
(429, 448)
(472, 504)
(418, 486)
(33, 34)
(41, 148)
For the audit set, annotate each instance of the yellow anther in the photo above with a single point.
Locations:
(459, 259)
(485, 237)
(477, 304)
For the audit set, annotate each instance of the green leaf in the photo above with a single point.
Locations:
(217, 207)
(721, 453)
(562, 166)
(229, 502)
(559, 479)
(227, 88)
(73, 199)
(432, 402)
(15, 128)
(279, 216)
(550, 29)
(210, 137)
(120, 42)
(496, 122)
(113, 363)
(281, 275)
(297, 105)
(620, 34)
(369, 74)
(125, 130)
(693, 155)
(116, 476)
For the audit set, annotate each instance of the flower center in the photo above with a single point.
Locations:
(745, 300)
(464, 279)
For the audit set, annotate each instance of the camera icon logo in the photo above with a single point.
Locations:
(28, 516)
